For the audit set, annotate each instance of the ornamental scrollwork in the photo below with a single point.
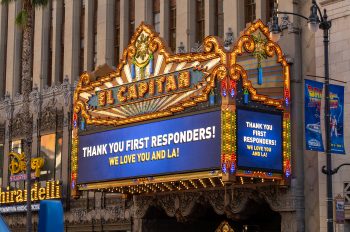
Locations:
(278, 199)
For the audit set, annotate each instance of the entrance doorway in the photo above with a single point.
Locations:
(256, 217)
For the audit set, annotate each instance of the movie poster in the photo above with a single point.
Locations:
(337, 118)
(313, 133)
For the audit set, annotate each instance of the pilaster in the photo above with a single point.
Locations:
(89, 35)
(260, 10)
(66, 136)
(105, 32)
(124, 25)
(209, 12)
(185, 23)
(14, 49)
(72, 40)
(57, 10)
(5, 169)
(143, 12)
(234, 16)
(3, 41)
(164, 20)
(41, 45)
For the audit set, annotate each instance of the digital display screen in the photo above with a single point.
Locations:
(178, 145)
(259, 140)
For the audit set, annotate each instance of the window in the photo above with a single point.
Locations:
(219, 18)
(131, 18)
(156, 15)
(16, 146)
(95, 34)
(51, 151)
(116, 32)
(172, 25)
(270, 4)
(82, 32)
(200, 17)
(249, 11)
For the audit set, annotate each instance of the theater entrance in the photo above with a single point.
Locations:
(256, 217)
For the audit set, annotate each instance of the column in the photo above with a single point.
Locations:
(5, 173)
(124, 25)
(66, 150)
(3, 40)
(260, 10)
(185, 23)
(234, 16)
(72, 40)
(35, 139)
(57, 10)
(143, 12)
(209, 12)
(105, 32)
(14, 50)
(89, 35)
(288, 221)
(164, 20)
(41, 45)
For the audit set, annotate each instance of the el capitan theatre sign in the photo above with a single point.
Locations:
(181, 121)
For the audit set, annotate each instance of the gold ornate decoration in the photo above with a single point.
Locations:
(52, 190)
(18, 164)
(224, 227)
(247, 44)
(127, 95)
(145, 44)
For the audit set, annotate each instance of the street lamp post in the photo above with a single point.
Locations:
(318, 20)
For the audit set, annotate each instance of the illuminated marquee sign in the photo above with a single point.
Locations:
(151, 83)
(155, 87)
(52, 190)
(259, 140)
(18, 165)
(170, 146)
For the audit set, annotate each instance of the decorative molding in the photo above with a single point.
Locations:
(197, 48)
(229, 39)
(329, 2)
(280, 200)
(17, 122)
(35, 99)
(8, 106)
(230, 201)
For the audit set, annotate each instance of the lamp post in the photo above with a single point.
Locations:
(318, 20)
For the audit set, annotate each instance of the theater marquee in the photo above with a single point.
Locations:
(163, 121)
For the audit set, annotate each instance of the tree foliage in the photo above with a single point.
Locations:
(22, 16)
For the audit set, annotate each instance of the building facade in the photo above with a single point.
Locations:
(74, 36)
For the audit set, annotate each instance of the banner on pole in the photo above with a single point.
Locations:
(313, 133)
(337, 118)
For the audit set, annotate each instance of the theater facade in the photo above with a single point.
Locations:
(184, 142)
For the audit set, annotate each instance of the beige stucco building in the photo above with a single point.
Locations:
(73, 36)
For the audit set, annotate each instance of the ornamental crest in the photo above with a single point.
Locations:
(150, 82)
